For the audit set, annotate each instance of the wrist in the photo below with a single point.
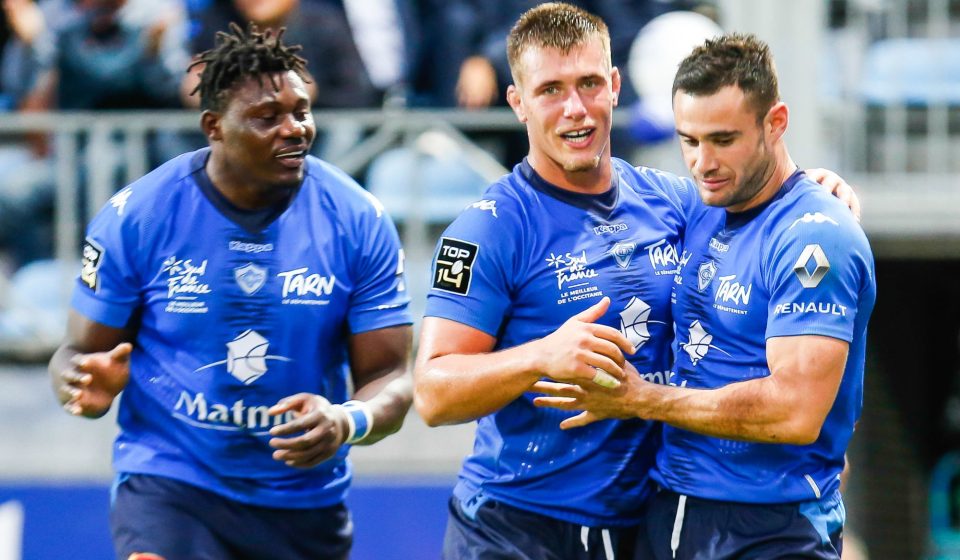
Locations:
(359, 421)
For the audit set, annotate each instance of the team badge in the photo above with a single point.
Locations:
(454, 265)
(91, 260)
(250, 278)
(705, 274)
(821, 266)
(623, 252)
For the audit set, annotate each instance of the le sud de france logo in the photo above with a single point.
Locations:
(635, 320)
(698, 343)
(247, 357)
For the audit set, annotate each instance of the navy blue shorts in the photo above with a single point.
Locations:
(178, 521)
(712, 530)
(496, 531)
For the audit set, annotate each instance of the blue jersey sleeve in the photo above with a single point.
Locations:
(380, 298)
(680, 191)
(473, 265)
(816, 268)
(108, 288)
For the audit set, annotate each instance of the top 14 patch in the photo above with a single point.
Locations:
(91, 259)
(454, 265)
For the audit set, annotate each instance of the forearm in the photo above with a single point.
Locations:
(757, 410)
(389, 399)
(60, 362)
(458, 388)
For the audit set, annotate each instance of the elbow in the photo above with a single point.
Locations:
(801, 431)
(431, 414)
(426, 404)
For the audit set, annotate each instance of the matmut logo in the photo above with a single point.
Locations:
(197, 411)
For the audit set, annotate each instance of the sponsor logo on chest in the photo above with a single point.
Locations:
(186, 289)
(300, 287)
(663, 258)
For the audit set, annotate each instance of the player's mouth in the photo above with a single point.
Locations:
(714, 183)
(578, 138)
(291, 158)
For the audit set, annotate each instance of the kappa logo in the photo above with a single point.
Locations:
(247, 357)
(453, 267)
(488, 205)
(91, 259)
(821, 266)
(698, 343)
(705, 274)
(815, 217)
(610, 228)
(634, 321)
(119, 200)
(623, 252)
(250, 278)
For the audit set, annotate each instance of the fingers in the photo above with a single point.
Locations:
(615, 337)
(594, 312)
(604, 379)
(580, 420)
(562, 403)
(121, 353)
(556, 389)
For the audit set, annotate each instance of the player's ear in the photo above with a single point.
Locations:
(516, 103)
(777, 119)
(615, 83)
(210, 124)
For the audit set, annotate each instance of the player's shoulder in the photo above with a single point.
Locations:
(152, 194)
(647, 180)
(338, 191)
(809, 206)
(503, 204)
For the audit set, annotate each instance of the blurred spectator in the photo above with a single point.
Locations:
(339, 77)
(110, 54)
(21, 21)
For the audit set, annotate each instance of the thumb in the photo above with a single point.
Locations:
(594, 312)
(121, 353)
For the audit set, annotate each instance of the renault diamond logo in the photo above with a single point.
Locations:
(807, 278)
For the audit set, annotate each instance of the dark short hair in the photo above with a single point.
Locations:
(238, 55)
(735, 59)
(555, 25)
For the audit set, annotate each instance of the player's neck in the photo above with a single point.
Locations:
(596, 180)
(239, 190)
(783, 168)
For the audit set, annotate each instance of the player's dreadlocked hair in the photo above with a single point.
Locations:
(238, 55)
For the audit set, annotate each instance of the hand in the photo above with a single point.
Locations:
(477, 84)
(595, 402)
(837, 187)
(89, 387)
(322, 429)
(25, 19)
(581, 351)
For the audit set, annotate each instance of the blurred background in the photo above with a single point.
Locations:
(409, 100)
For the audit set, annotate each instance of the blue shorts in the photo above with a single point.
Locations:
(174, 520)
(496, 531)
(713, 530)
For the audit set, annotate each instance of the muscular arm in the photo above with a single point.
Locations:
(788, 406)
(89, 369)
(380, 362)
(459, 378)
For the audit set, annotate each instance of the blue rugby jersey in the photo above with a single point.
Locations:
(798, 265)
(517, 265)
(231, 320)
